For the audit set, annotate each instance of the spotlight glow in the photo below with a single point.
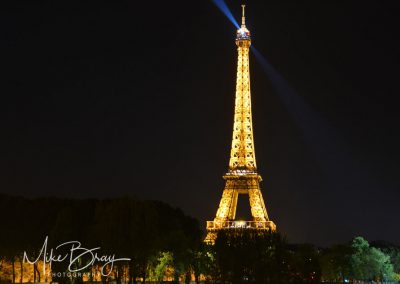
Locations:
(321, 138)
(225, 10)
(328, 147)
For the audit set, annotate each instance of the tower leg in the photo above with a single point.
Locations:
(232, 211)
(258, 210)
(227, 206)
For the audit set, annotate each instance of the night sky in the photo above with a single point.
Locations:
(105, 99)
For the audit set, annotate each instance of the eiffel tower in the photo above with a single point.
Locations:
(242, 176)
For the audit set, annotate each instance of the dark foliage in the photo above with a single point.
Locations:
(152, 234)
(251, 256)
(126, 227)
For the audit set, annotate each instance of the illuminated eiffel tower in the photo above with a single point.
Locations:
(242, 176)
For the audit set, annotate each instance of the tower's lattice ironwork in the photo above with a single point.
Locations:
(242, 176)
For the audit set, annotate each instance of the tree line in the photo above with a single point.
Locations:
(254, 257)
(163, 243)
(147, 232)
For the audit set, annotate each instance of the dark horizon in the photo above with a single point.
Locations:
(104, 100)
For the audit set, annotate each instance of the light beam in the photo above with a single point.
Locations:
(329, 149)
(225, 10)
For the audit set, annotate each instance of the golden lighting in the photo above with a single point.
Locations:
(242, 176)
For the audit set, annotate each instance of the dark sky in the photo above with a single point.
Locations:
(104, 99)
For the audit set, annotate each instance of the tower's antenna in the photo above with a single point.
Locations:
(243, 17)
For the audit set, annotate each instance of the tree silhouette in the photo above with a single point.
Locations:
(369, 263)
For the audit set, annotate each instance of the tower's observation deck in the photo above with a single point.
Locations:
(242, 176)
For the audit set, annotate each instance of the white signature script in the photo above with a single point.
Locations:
(76, 252)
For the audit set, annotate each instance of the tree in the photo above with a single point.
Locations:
(180, 235)
(160, 266)
(71, 224)
(369, 263)
(203, 262)
(393, 251)
(127, 227)
(251, 256)
(304, 264)
(335, 263)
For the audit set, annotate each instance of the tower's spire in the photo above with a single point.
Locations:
(243, 33)
(243, 17)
